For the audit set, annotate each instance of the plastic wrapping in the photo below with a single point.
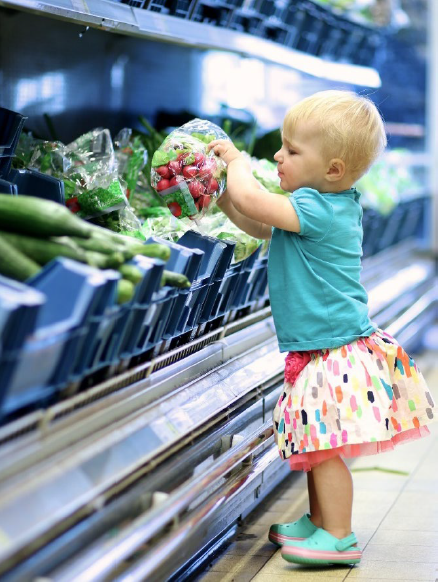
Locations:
(123, 221)
(188, 177)
(87, 166)
(266, 173)
(131, 158)
(94, 173)
(216, 225)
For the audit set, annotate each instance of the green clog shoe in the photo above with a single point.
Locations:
(322, 549)
(287, 532)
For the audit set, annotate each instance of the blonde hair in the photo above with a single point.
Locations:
(350, 127)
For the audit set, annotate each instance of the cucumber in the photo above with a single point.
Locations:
(152, 250)
(98, 245)
(175, 280)
(100, 261)
(31, 215)
(131, 273)
(125, 291)
(131, 244)
(43, 251)
(15, 264)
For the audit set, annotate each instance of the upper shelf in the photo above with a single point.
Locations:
(124, 19)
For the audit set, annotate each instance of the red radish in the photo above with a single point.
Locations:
(175, 208)
(175, 167)
(190, 171)
(199, 159)
(176, 180)
(163, 171)
(203, 201)
(207, 169)
(196, 188)
(212, 186)
(162, 185)
(181, 157)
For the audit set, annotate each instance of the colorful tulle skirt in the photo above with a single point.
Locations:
(360, 399)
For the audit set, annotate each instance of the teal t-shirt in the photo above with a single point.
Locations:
(316, 297)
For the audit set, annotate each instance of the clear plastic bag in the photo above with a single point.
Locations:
(92, 182)
(131, 157)
(188, 177)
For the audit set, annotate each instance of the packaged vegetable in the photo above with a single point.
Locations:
(94, 172)
(185, 174)
(266, 173)
(131, 157)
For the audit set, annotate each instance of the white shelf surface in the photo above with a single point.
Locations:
(121, 18)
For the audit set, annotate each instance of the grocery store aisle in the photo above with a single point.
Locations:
(395, 518)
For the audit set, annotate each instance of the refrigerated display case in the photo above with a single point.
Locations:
(144, 461)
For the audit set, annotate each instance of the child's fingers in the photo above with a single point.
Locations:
(214, 143)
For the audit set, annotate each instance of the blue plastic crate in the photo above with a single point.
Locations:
(213, 12)
(152, 270)
(19, 307)
(136, 310)
(241, 290)
(178, 316)
(75, 293)
(42, 366)
(153, 324)
(11, 126)
(246, 20)
(100, 323)
(5, 166)
(257, 283)
(33, 183)
(184, 259)
(213, 258)
(210, 306)
(8, 187)
(26, 374)
(225, 259)
(411, 224)
(226, 292)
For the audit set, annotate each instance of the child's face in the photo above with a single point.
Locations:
(300, 163)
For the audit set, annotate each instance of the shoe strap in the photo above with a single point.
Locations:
(346, 543)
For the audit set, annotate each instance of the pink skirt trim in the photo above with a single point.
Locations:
(306, 461)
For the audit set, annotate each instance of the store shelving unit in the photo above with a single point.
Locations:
(121, 456)
(120, 18)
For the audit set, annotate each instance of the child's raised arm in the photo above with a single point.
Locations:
(247, 197)
(252, 227)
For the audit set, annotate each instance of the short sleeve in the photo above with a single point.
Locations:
(314, 211)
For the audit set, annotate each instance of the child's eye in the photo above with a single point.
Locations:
(291, 152)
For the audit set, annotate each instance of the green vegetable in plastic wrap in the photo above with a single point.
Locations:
(131, 158)
(245, 244)
(122, 221)
(166, 227)
(87, 166)
(387, 181)
(265, 172)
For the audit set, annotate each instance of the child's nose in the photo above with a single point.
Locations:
(277, 156)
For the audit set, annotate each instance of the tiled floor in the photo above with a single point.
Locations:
(395, 519)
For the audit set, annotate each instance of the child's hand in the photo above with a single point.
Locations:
(225, 150)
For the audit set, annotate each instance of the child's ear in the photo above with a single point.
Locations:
(336, 170)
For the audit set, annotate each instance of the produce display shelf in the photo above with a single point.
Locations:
(118, 434)
(124, 19)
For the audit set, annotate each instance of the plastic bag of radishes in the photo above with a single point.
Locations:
(188, 177)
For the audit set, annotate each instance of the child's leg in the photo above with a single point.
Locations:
(314, 508)
(334, 491)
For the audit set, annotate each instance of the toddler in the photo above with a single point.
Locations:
(350, 389)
